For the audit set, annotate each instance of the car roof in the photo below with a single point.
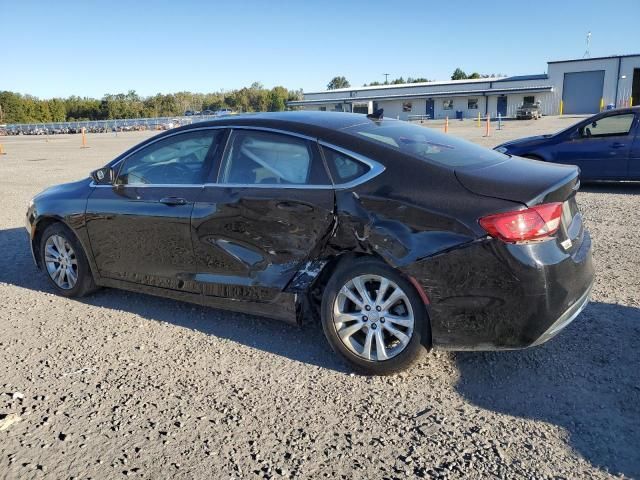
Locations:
(314, 124)
(311, 123)
(635, 109)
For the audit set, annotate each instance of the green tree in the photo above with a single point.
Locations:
(12, 107)
(338, 82)
(474, 75)
(458, 74)
(398, 81)
(277, 98)
(58, 110)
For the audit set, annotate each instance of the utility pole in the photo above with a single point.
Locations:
(386, 78)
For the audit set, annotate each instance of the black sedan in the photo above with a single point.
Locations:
(605, 146)
(396, 237)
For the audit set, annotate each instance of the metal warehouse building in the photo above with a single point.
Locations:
(575, 86)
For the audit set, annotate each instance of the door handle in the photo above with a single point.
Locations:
(173, 201)
(294, 207)
(617, 145)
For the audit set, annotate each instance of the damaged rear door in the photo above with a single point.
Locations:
(268, 212)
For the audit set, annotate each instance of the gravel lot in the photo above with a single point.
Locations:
(125, 384)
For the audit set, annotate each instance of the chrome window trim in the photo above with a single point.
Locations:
(148, 185)
(286, 186)
(375, 168)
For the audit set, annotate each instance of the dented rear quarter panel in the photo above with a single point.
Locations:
(410, 211)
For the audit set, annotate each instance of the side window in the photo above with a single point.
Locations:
(342, 167)
(179, 159)
(263, 158)
(609, 126)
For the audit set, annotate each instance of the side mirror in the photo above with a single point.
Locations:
(103, 176)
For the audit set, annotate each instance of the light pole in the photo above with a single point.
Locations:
(386, 78)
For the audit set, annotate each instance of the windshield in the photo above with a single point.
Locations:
(427, 144)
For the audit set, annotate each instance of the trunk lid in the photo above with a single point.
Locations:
(529, 182)
(532, 182)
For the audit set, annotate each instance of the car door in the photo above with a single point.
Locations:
(140, 227)
(634, 154)
(600, 147)
(269, 209)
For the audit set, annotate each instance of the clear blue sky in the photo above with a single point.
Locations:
(89, 48)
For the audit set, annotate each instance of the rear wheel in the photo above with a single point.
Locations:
(65, 262)
(373, 317)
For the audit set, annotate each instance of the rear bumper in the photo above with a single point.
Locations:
(489, 295)
(565, 319)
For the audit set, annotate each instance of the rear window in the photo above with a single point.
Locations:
(426, 144)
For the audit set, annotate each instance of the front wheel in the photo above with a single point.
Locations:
(65, 262)
(374, 318)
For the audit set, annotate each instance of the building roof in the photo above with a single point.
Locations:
(595, 58)
(443, 93)
(541, 76)
(520, 78)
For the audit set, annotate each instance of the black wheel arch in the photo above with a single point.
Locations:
(310, 299)
(45, 221)
(40, 226)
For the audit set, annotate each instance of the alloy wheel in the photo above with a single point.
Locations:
(61, 262)
(373, 317)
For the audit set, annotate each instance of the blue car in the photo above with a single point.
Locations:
(605, 146)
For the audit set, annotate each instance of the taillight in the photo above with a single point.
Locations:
(535, 223)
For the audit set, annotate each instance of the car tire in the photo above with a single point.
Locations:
(65, 262)
(370, 342)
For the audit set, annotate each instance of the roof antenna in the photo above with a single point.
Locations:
(376, 115)
(587, 53)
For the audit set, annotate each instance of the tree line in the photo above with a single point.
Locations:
(342, 82)
(458, 74)
(18, 108)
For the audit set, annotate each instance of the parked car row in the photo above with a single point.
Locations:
(102, 127)
(209, 113)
